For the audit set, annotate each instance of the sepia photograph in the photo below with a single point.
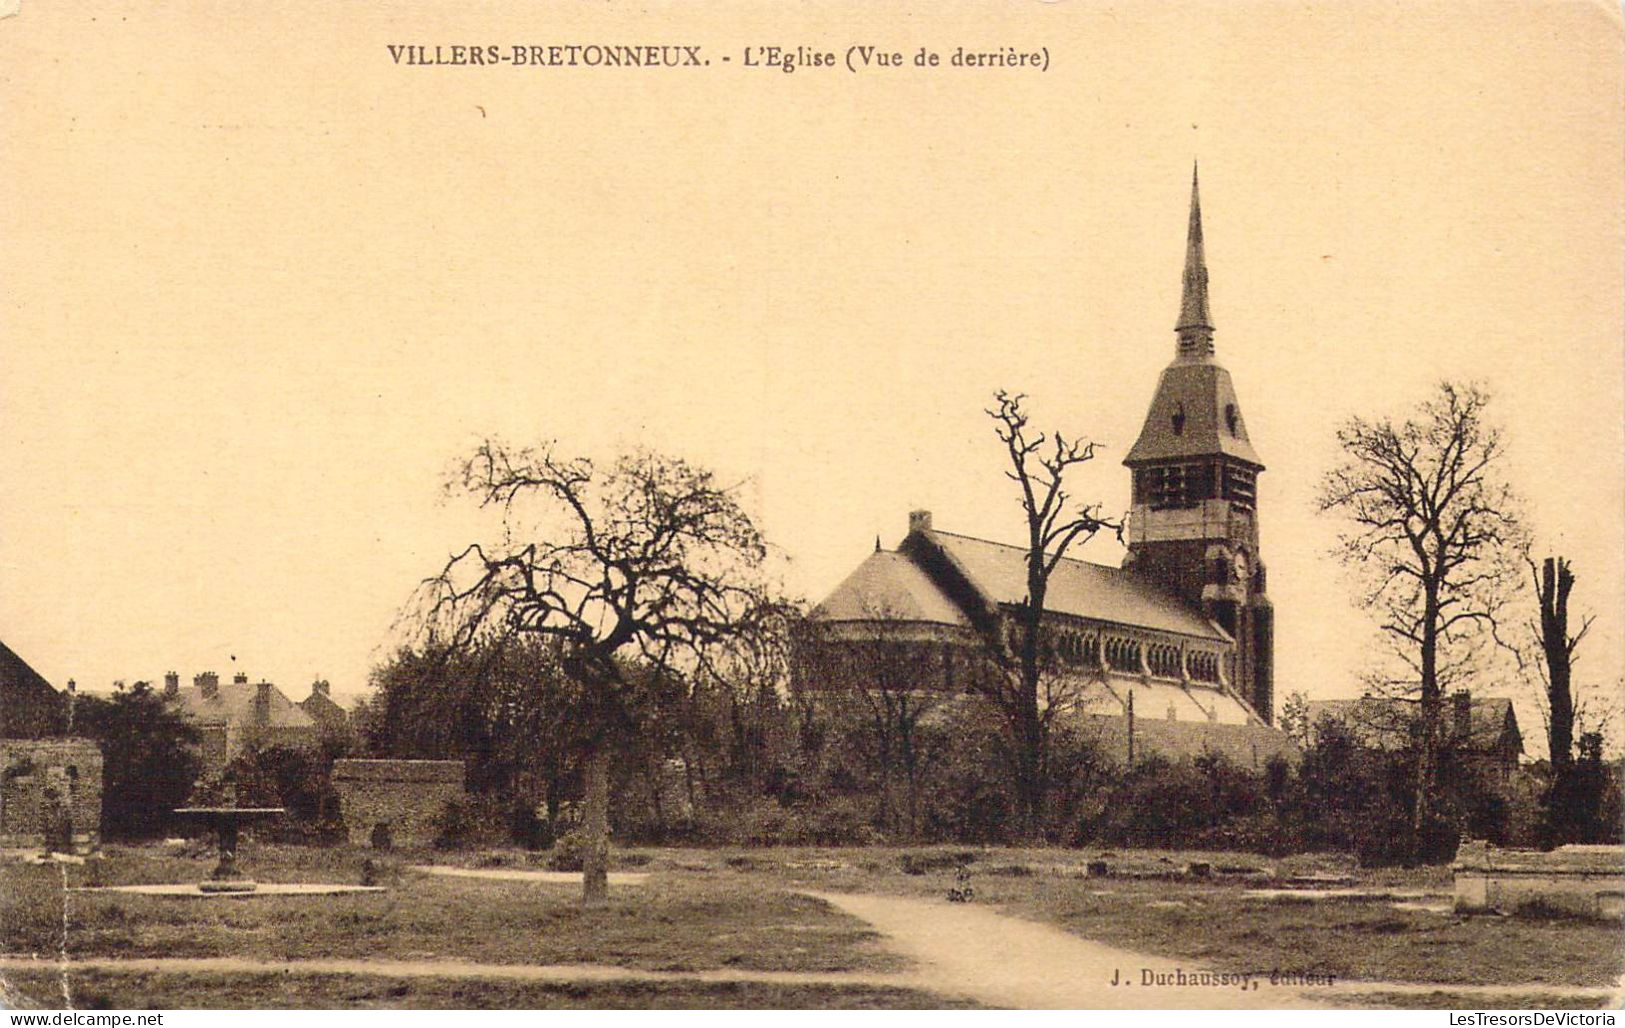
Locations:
(1015, 505)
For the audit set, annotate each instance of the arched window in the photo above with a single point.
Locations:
(1123, 655)
(1163, 660)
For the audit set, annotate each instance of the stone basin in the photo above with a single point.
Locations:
(226, 821)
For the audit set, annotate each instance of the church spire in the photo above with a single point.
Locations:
(1195, 326)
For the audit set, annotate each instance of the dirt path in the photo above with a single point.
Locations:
(964, 950)
(1004, 961)
(974, 951)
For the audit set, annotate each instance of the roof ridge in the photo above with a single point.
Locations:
(1023, 549)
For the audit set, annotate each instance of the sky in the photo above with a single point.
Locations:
(263, 286)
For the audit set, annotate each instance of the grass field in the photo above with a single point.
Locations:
(710, 910)
(1217, 924)
(125, 991)
(676, 922)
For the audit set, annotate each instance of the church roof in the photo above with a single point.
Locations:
(890, 587)
(1193, 414)
(1079, 588)
(900, 586)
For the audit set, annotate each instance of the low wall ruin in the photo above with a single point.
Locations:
(388, 803)
(1587, 881)
(51, 794)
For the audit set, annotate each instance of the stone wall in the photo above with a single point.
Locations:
(395, 802)
(51, 794)
(1588, 881)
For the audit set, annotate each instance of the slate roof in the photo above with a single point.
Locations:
(319, 707)
(1076, 587)
(233, 704)
(29, 706)
(889, 587)
(1199, 391)
(1154, 699)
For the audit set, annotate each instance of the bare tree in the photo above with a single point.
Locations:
(648, 559)
(1029, 694)
(1553, 582)
(1549, 652)
(1433, 534)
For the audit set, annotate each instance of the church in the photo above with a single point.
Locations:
(1173, 652)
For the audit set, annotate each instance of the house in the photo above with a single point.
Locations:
(1482, 731)
(230, 716)
(1173, 650)
(319, 706)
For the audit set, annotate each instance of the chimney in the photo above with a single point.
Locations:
(172, 684)
(919, 521)
(262, 703)
(208, 684)
(73, 686)
(239, 678)
(1462, 710)
(320, 688)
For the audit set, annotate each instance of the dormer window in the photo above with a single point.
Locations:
(1178, 419)
(1232, 419)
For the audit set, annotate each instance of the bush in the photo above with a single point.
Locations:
(472, 822)
(927, 861)
(150, 759)
(280, 776)
(1388, 844)
(569, 852)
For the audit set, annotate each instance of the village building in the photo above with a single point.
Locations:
(232, 716)
(330, 718)
(1173, 652)
(1481, 732)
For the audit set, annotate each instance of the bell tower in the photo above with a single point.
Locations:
(1194, 521)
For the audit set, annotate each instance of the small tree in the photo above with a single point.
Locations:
(882, 684)
(1028, 693)
(1295, 719)
(149, 754)
(649, 559)
(1433, 530)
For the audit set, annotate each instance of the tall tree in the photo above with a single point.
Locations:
(648, 559)
(1553, 582)
(1433, 533)
(1027, 694)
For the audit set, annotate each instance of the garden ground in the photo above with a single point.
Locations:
(864, 927)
